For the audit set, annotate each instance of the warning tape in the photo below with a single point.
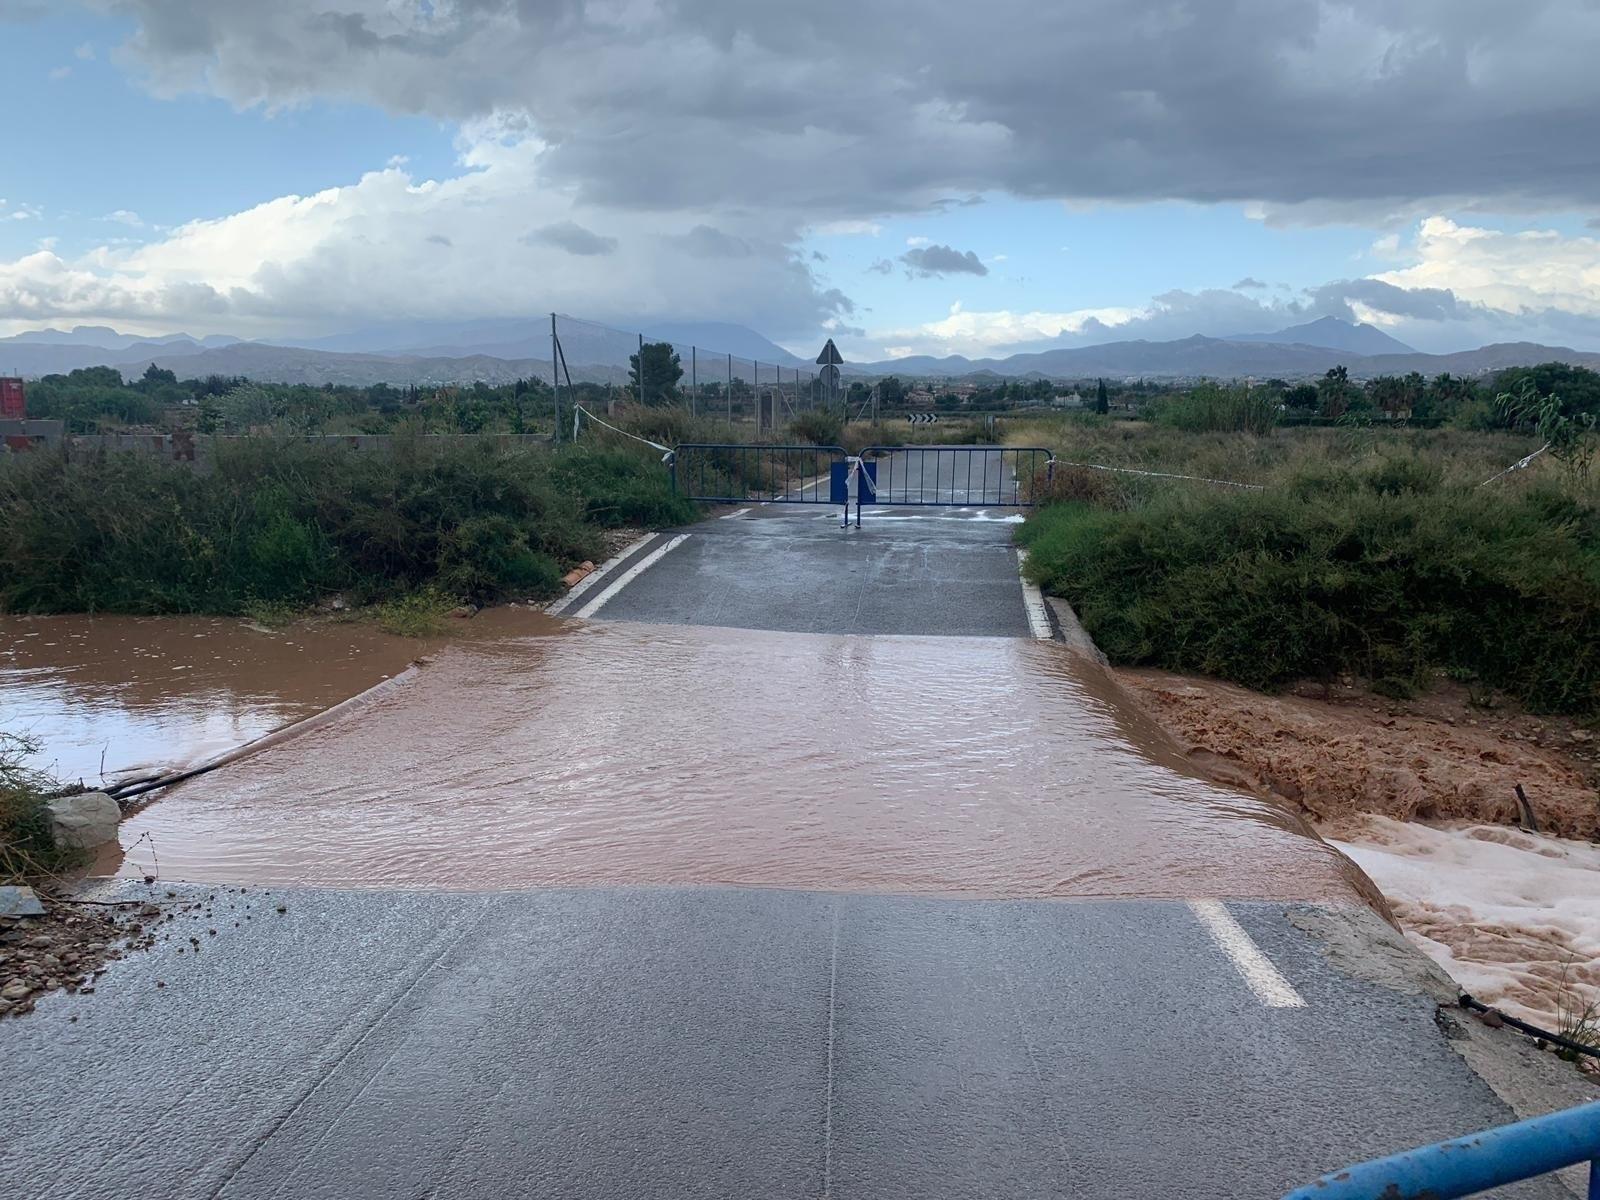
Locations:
(858, 473)
(1516, 466)
(1162, 475)
(666, 451)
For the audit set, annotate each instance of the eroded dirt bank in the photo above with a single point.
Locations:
(1422, 796)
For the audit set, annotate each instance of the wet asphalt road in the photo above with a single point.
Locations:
(634, 1043)
(794, 569)
(726, 1042)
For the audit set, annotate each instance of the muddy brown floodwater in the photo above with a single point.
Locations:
(621, 753)
(115, 696)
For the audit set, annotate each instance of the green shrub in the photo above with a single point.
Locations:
(1351, 573)
(1211, 407)
(273, 524)
(27, 846)
(818, 426)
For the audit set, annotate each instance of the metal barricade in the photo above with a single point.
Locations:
(959, 476)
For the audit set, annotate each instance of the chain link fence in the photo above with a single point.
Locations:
(602, 368)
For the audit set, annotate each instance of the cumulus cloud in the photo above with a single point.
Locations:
(347, 256)
(929, 261)
(1286, 102)
(979, 333)
(1247, 283)
(1526, 271)
(573, 238)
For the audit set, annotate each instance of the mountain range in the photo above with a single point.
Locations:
(501, 351)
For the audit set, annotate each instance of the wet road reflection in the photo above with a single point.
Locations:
(623, 753)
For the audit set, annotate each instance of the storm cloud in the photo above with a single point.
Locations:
(1282, 101)
(942, 260)
(573, 238)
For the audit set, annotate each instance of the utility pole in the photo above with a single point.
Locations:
(555, 374)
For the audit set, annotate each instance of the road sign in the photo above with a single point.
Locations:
(923, 418)
(829, 356)
(830, 377)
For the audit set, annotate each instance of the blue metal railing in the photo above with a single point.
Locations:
(1472, 1164)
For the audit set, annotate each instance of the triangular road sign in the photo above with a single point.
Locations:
(829, 356)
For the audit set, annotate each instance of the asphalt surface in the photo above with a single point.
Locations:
(795, 569)
(730, 1042)
(714, 1042)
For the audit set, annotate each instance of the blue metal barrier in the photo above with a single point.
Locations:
(1472, 1164)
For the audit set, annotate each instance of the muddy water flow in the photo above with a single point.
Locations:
(112, 697)
(619, 753)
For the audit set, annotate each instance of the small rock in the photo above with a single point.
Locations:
(1491, 1019)
(464, 612)
(15, 990)
(19, 902)
(1581, 735)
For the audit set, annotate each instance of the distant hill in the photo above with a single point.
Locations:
(1217, 358)
(1331, 333)
(599, 354)
(581, 341)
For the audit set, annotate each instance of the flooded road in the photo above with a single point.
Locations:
(109, 696)
(626, 753)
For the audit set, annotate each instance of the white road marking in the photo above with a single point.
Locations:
(628, 576)
(827, 1100)
(1033, 602)
(1269, 985)
(738, 512)
(596, 575)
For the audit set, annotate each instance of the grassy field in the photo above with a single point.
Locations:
(1380, 553)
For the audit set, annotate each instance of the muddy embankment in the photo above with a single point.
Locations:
(1421, 794)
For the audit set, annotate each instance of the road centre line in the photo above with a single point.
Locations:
(1265, 980)
(596, 575)
(1033, 603)
(628, 576)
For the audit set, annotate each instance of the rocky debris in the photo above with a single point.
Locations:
(72, 944)
(84, 821)
(67, 946)
(19, 902)
(464, 612)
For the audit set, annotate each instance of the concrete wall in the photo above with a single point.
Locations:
(20, 437)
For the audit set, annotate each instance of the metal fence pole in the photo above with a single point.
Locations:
(641, 369)
(694, 379)
(730, 397)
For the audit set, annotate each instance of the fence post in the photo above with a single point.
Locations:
(641, 370)
(694, 379)
(730, 397)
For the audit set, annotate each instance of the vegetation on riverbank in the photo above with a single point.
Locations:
(27, 847)
(282, 523)
(1375, 552)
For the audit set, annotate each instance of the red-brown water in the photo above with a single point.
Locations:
(108, 697)
(619, 753)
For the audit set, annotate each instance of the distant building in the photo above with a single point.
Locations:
(13, 405)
